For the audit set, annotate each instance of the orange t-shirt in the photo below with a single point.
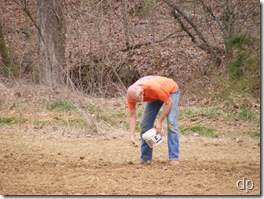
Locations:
(156, 88)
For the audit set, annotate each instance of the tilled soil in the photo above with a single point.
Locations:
(47, 163)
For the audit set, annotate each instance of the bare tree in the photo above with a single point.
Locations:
(51, 28)
(52, 40)
(222, 18)
(7, 67)
(5, 60)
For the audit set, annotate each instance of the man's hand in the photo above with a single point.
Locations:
(158, 125)
(133, 141)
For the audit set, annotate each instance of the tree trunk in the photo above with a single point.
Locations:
(51, 41)
(124, 13)
(7, 67)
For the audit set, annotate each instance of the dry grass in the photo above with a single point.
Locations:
(73, 113)
(28, 106)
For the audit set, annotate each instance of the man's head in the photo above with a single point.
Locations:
(135, 93)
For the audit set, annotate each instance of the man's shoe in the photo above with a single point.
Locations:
(174, 162)
(145, 162)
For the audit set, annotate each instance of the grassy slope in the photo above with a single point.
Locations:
(36, 108)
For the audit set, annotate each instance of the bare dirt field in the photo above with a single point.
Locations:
(55, 164)
(41, 155)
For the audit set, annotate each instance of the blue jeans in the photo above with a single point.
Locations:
(151, 110)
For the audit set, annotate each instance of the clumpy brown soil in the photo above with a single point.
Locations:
(48, 163)
(41, 155)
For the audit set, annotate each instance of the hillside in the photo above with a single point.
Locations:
(98, 64)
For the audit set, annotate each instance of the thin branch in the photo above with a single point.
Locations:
(184, 28)
(206, 46)
(24, 6)
(125, 24)
(176, 8)
(136, 46)
(210, 12)
(25, 32)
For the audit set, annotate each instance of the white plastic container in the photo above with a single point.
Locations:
(152, 138)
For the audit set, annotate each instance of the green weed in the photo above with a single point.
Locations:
(76, 122)
(60, 105)
(239, 41)
(245, 114)
(7, 120)
(92, 108)
(254, 134)
(199, 130)
(207, 111)
(41, 123)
